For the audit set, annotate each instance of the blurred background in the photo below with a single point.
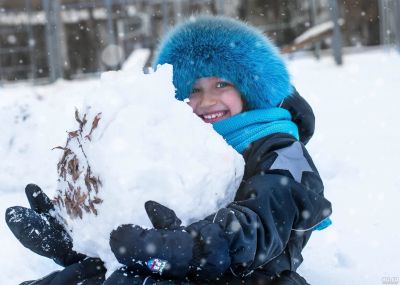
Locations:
(43, 40)
(343, 57)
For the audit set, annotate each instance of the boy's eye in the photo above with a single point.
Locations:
(222, 84)
(195, 90)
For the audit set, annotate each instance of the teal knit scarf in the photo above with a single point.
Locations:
(241, 130)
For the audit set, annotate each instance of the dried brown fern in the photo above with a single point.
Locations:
(75, 199)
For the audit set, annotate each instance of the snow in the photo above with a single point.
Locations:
(355, 148)
(146, 146)
(316, 31)
(136, 60)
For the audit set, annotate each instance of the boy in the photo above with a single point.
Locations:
(233, 78)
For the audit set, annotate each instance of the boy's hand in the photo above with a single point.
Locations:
(37, 230)
(199, 250)
(89, 271)
(162, 217)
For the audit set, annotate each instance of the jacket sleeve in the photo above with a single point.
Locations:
(281, 192)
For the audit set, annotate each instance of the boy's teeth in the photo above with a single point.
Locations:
(212, 116)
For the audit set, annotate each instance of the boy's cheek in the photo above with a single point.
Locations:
(193, 105)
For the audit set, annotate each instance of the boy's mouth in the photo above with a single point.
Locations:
(214, 116)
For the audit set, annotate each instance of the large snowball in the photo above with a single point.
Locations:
(135, 142)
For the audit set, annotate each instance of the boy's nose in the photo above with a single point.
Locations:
(208, 99)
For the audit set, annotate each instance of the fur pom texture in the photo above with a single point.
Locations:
(217, 46)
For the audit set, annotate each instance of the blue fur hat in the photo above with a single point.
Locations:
(207, 46)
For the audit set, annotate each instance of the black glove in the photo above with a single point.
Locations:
(89, 271)
(199, 250)
(126, 276)
(162, 217)
(39, 231)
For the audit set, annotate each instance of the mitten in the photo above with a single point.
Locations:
(199, 250)
(39, 231)
(89, 271)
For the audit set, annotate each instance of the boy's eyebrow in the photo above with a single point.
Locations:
(225, 80)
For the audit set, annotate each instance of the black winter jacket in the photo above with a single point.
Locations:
(273, 214)
(280, 200)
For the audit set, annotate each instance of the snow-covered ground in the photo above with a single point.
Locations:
(356, 148)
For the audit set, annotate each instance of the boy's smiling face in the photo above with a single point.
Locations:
(214, 99)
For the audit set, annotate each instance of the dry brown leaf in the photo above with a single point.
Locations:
(94, 126)
(73, 134)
